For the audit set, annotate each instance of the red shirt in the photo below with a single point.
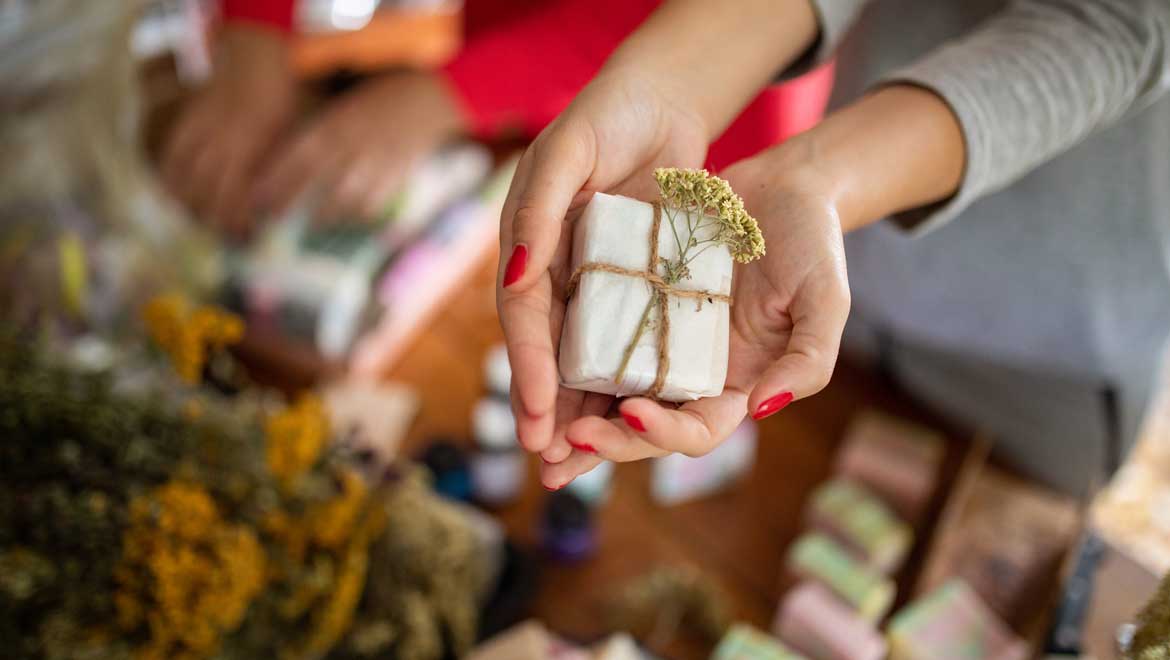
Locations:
(524, 60)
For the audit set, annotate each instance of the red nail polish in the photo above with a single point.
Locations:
(515, 268)
(773, 405)
(634, 422)
(552, 489)
(581, 446)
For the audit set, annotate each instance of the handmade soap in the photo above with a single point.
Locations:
(611, 301)
(1006, 538)
(815, 556)
(953, 623)
(815, 622)
(743, 642)
(896, 459)
(863, 523)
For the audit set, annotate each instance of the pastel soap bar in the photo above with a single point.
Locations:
(607, 308)
(863, 523)
(815, 622)
(896, 459)
(743, 642)
(952, 622)
(815, 556)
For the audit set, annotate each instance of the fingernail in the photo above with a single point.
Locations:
(552, 489)
(581, 446)
(515, 268)
(634, 422)
(773, 405)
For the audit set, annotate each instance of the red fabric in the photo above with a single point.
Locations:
(517, 76)
(524, 60)
(778, 113)
(274, 13)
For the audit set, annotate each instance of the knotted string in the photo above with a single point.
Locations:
(662, 291)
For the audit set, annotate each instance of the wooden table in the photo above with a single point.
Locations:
(737, 537)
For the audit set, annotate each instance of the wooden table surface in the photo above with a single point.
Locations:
(737, 537)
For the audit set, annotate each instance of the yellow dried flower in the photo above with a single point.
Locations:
(188, 333)
(185, 573)
(702, 193)
(336, 616)
(333, 521)
(295, 438)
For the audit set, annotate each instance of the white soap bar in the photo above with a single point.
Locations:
(605, 310)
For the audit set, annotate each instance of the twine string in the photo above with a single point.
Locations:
(662, 290)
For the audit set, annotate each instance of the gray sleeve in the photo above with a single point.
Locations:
(1038, 78)
(834, 18)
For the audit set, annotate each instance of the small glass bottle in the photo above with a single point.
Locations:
(566, 528)
(498, 465)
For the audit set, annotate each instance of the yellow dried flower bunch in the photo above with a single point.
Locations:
(189, 333)
(295, 437)
(705, 194)
(186, 574)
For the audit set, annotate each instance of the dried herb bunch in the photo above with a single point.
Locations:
(171, 521)
(1152, 640)
(657, 606)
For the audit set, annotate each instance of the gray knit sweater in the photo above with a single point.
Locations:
(1054, 256)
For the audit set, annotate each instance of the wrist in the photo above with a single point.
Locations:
(898, 148)
(712, 60)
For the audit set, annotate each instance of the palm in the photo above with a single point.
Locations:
(621, 156)
(805, 265)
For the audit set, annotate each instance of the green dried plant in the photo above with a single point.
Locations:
(159, 522)
(1152, 639)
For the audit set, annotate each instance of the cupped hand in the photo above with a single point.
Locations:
(787, 318)
(617, 130)
(355, 155)
(213, 151)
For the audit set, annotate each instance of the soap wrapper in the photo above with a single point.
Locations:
(606, 308)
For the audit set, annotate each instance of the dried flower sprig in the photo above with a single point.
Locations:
(708, 196)
(714, 215)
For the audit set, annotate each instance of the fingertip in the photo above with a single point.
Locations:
(534, 432)
(557, 451)
(770, 403)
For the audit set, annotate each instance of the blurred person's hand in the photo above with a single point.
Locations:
(354, 156)
(212, 154)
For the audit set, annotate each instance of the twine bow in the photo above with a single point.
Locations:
(663, 289)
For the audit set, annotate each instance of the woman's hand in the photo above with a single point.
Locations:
(356, 154)
(609, 139)
(786, 323)
(214, 149)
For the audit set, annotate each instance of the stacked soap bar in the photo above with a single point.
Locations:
(744, 642)
(953, 623)
(862, 523)
(1006, 542)
(611, 301)
(817, 557)
(815, 622)
(893, 458)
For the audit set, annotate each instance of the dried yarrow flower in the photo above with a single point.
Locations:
(700, 192)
